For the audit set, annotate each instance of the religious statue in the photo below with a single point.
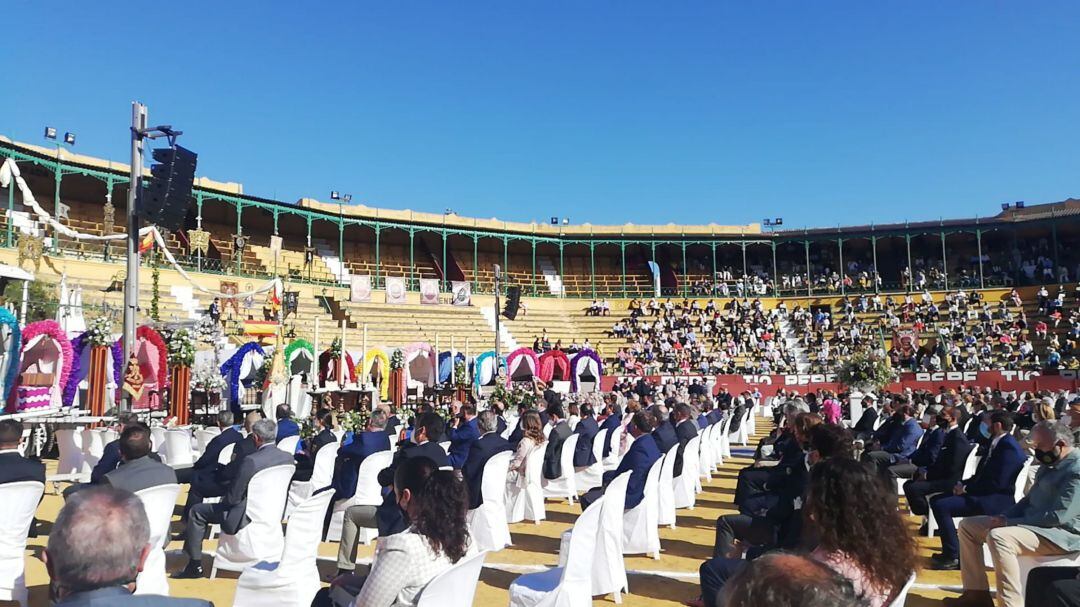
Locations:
(133, 379)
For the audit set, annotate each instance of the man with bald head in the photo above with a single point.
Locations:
(96, 549)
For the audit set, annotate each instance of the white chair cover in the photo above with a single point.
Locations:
(567, 586)
(203, 436)
(368, 493)
(685, 486)
(666, 489)
(613, 458)
(640, 533)
(565, 485)
(93, 446)
(901, 597)
(454, 587)
(290, 579)
(487, 524)
(157, 443)
(970, 465)
(1027, 563)
(705, 454)
(528, 503)
(608, 568)
(261, 539)
(178, 446)
(322, 474)
(289, 444)
(18, 502)
(159, 503)
(72, 464)
(593, 476)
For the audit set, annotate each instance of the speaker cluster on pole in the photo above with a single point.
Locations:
(513, 302)
(167, 196)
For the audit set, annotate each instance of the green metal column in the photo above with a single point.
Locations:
(713, 277)
(944, 261)
(978, 244)
(506, 256)
(1054, 239)
(877, 272)
(444, 280)
(412, 260)
(843, 270)
(533, 266)
(475, 263)
(592, 267)
(240, 231)
(622, 249)
(745, 269)
(56, 201)
(809, 279)
(685, 271)
(11, 209)
(775, 272)
(378, 258)
(341, 247)
(562, 274)
(910, 270)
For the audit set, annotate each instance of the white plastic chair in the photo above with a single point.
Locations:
(592, 476)
(567, 586)
(613, 458)
(640, 533)
(684, 487)
(289, 444)
(18, 502)
(261, 539)
(528, 503)
(1027, 563)
(158, 502)
(566, 484)
(901, 597)
(454, 587)
(322, 474)
(666, 489)
(291, 579)
(487, 524)
(608, 568)
(93, 446)
(368, 493)
(157, 443)
(744, 427)
(203, 436)
(705, 455)
(178, 446)
(725, 437)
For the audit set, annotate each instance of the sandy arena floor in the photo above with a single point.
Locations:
(669, 581)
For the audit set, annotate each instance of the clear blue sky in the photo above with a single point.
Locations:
(820, 112)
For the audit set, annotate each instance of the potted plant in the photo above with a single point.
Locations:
(181, 356)
(98, 338)
(397, 377)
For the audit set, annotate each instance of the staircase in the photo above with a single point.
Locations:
(802, 359)
(330, 258)
(554, 281)
(185, 296)
(505, 338)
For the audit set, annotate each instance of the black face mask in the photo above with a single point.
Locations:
(1048, 458)
(942, 423)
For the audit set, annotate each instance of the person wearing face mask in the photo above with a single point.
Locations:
(945, 470)
(990, 491)
(901, 445)
(1071, 418)
(1045, 523)
(390, 518)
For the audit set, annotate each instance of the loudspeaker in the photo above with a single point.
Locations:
(513, 301)
(166, 198)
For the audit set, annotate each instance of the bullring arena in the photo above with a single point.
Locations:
(953, 307)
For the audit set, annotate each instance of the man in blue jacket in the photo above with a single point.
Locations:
(347, 466)
(902, 444)
(1046, 523)
(925, 454)
(610, 423)
(463, 435)
(638, 459)
(990, 491)
(586, 430)
(663, 432)
(483, 448)
(286, 427)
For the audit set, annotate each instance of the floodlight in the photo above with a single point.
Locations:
(50, 132)
(334, 195)
(69, 138)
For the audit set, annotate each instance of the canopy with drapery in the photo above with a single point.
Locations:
(300, 358)
(486, 368)
(419, 364)
(11, 341)
(328, 371)
(376, 369)
(241, 370)
(521, 365)
(586, 369)
(44, 369)
(446, 366)
(554, 365)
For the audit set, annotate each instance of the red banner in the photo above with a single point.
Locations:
(768, 385)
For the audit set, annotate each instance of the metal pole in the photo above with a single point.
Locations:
(978, 242)
(497, 270)
(131, 285)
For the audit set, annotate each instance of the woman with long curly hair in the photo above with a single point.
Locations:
(853, 518)
(435, 502)
(532, 438)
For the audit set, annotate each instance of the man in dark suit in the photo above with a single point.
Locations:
(481, 451)
(942, 474)
(714, 416)
(13, 466)
(110, 456)
(560, 431)
(95, 547)
(389, 517)
(309, 447)
(286, 427)
(663, 432)
(737, 412)
(230, 513)
(612, 420)
(925, 454)
(901, 444)
(864, 428)
(702, 416)
(463, 434)
(346, 474)
(638, 459)
(685, 429)
(137, 471)
(586, 430)
(209, 478)
(208, 461)
(990, 491)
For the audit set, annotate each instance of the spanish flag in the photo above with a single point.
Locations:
(147, 242)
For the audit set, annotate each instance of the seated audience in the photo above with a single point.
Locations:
(586, 430)
(947, 469)
(110, 456)
(436, 537)
(137, 471)
(230, 511)
(1053, 587)
(346, 475)
(96, 549)
(1045, 523)
(642, 454)
(685, 429)
(210, 478)
(532, 439)
(427, 429)
(286, 427)
(663, 432)
(309, 447)
(560, 431)
(789, 580)
(481, 451)
(989, 492)
(901, 444)
(463, 434)
(14, 467)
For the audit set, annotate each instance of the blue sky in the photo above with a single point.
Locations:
(650, 112)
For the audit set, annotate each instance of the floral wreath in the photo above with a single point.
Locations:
(53, 330)
(324, 366)
(7, 318)
(298, 344)
(231, 370)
